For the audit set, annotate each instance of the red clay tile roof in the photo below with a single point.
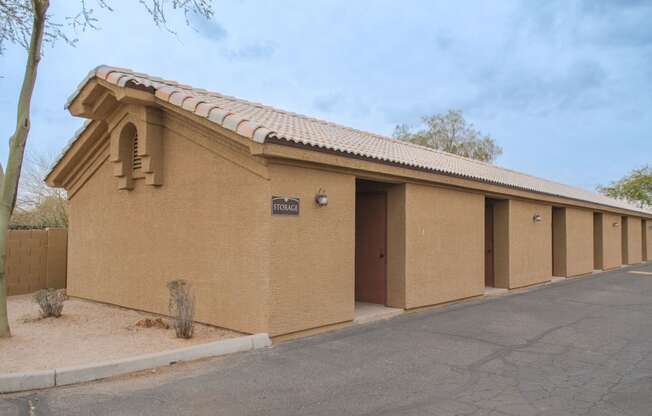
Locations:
(259, 122)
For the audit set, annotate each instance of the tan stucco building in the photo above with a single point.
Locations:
(282, 222)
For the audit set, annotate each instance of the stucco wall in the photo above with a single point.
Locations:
(207, 223)
(632, 245)
(57, 264)
(573, 244)
(396, 246)
(313, 254)
(530, 244)
(647, 232)
(444, 245)
(609, 240)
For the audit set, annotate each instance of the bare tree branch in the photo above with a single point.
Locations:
(27, 23)
(16, 18)
(38, 205)
(16, 25)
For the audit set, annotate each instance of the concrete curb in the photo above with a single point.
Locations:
(14, 382)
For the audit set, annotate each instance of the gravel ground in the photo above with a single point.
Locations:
(86, 332)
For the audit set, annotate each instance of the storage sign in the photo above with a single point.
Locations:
(282, 205)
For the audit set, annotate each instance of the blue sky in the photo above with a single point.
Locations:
(565, 87)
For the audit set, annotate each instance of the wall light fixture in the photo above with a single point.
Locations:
(537, 218)
(321, 198)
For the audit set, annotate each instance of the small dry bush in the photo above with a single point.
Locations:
(50, 301)
(182, 307)
(152, 323)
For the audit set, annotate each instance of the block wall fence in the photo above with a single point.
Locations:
(36, 259)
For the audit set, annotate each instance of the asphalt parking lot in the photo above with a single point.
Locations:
(582, 346)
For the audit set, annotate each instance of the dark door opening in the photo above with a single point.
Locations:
(644, 240)
(559, 242)
(489, 277)
(371, 246)
(624, 226)
(597, 241)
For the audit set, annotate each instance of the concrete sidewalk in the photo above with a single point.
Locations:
(578, 347)
(63, 376)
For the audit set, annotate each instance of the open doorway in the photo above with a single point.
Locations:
(489, 269)
(373, 212)
(559, 242)
(370, 244)
(598, 261)
(496, 245)
(644, 224)
(624, 227)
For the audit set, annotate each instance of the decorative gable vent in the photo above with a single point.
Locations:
(137, 146)
(137, 161)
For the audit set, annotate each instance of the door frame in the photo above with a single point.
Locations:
(383, 253)
(489, 258)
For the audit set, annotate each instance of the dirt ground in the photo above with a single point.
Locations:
(86, 332)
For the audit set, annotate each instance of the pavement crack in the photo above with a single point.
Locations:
(506, 350)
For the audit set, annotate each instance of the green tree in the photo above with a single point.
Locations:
(451, 133)
(635, 187)
(28, 24)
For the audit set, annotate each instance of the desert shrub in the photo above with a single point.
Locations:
(50, 301)
(182, 307)
(152, 323)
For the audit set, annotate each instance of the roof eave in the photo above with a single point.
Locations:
(124, 85)
(74, 150)
(282, 141)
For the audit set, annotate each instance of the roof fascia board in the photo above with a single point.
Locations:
(78, 150)
(128, 95)
(78, 104)
(301, 155)
(94, 147)
(90, 166)
(97, 98)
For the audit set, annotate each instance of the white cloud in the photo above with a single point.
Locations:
(554, 74)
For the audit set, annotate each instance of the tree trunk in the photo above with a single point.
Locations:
(17, 142)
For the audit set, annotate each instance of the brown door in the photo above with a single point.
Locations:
(644, 239)
(489, 246)
(370, 247)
